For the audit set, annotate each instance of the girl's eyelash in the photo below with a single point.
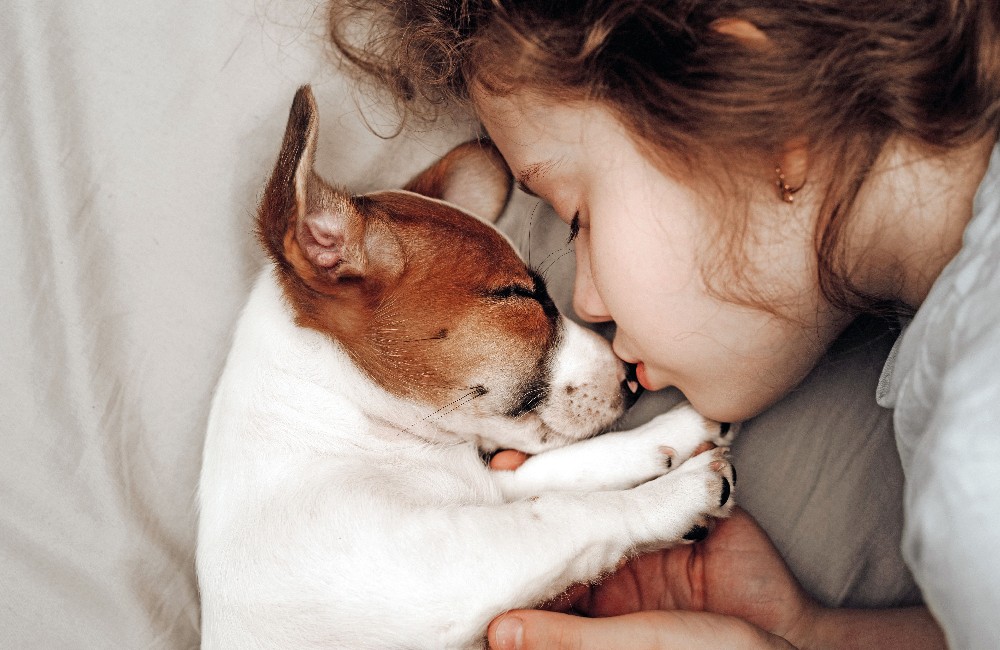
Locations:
(574, 224)
(574, 227)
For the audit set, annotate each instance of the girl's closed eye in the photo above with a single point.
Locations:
(574, 224)
(524, 188)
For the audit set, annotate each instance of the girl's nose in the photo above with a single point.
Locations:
(587, 303)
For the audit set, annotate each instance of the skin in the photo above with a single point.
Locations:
(731, 590)
(638, 261)
(642, 237)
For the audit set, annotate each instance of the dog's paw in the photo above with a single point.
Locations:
(670, 439)
(679, 506)
(689, 432)
(722, 486)
(619, 460)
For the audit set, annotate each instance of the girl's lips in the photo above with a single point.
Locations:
(640, 374)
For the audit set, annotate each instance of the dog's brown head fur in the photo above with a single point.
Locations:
(432, 303)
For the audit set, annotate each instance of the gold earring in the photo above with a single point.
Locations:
(786, 191)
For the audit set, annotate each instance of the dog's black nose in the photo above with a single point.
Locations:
(631, 388)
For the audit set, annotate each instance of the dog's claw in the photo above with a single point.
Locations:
(725, 492)
(696, 534)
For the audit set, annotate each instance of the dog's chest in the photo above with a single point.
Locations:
(430, 476)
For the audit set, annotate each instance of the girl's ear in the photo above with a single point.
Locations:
(742, 30)
(473, 176)
(794, 162)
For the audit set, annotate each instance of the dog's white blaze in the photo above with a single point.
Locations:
(585, 393)
(584, 358)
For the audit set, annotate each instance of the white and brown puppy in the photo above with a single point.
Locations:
(396, 337)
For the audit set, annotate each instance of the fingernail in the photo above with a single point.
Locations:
(509, 634)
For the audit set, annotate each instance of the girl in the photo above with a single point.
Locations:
(743, 179)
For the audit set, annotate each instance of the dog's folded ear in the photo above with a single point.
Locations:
(309, 228)
(473, 176)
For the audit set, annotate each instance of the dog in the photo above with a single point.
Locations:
(395, 339)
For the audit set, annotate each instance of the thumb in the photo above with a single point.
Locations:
(535, 630)
(661, 630)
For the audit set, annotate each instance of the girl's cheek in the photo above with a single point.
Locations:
(587, 300)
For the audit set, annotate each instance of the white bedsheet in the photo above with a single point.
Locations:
(134, 138)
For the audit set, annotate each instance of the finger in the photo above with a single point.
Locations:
(538, 630)
(508, 459)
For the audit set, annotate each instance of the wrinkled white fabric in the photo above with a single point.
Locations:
(135, 136)
(944, 384)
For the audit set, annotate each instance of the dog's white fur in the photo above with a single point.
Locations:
(337, 515)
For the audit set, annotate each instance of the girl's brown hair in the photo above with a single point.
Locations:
(846, 74)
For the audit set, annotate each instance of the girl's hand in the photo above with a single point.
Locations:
(732, 589)
(538, 630)
(735, 571)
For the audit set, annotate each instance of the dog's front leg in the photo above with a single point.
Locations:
(616, 461)
(532, 550)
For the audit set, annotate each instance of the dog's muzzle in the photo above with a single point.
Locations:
(631, 388)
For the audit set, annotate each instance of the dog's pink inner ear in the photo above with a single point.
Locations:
(321, 236)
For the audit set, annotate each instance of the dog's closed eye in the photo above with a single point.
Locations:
(512, 291)
(522, 290)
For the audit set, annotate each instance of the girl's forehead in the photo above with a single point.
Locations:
(527, 121)
(514, 108)
(506, 111)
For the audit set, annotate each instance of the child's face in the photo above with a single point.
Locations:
(643, 237)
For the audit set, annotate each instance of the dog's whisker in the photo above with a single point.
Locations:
(457, 406)
(531, 223)
(445, 407)
(546, 259)
(544, 271)
(475, 392)
(442, 412)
